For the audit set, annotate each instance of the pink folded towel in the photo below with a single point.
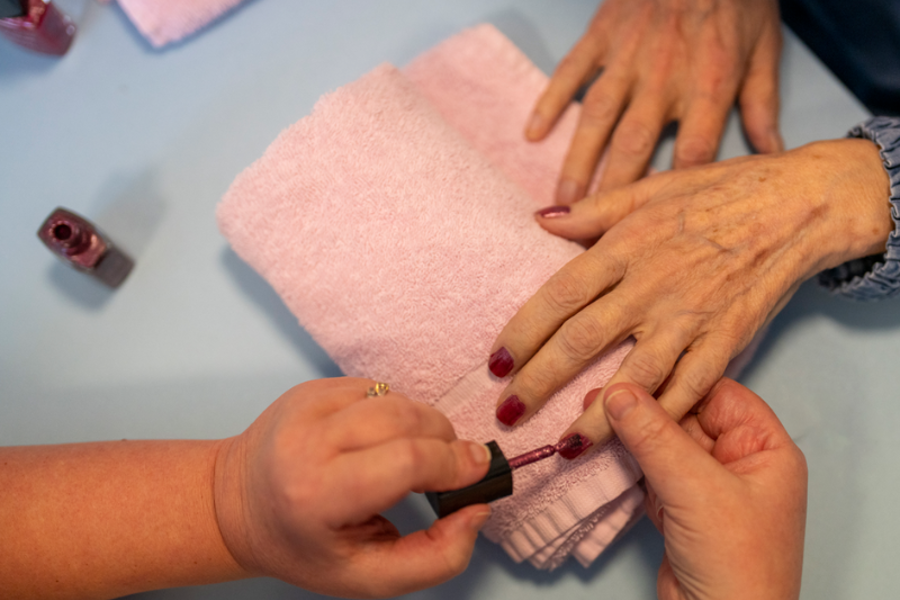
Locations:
(403, 245)
(166, 21)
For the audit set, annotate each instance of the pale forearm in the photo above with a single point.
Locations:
(103, 520)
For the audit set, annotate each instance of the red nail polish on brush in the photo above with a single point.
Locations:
(79, 243)
(36, 25)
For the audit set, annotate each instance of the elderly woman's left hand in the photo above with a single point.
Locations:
(691, 263)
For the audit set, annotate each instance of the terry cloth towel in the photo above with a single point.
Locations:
(396, 222)
(403, 244)
(166, 21)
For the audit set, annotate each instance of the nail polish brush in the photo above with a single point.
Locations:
(498, 483)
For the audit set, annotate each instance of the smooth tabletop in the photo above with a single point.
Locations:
(195, 344)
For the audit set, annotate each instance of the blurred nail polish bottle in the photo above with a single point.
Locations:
(37, 25)
(77, 242)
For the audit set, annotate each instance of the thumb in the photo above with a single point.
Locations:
(426, 558)
(673, 463)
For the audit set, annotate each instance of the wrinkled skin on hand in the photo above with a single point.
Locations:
(692, 263)
(298, 495)
(727, 489)
(661, 61)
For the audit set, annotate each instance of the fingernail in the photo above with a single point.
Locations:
(535, 126)
(567, 192)
(479, 519)
(620, 403)
(591, 396)
(500, 363)
(481, 454)
(510, 411)
(573, 445)
(553, 211)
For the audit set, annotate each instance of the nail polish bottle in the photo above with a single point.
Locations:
(37, 25)
(498, 483)
(80, 244)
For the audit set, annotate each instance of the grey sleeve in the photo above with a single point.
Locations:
(878, 276)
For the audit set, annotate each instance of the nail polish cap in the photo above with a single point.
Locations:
(496, 484)
(11, 8)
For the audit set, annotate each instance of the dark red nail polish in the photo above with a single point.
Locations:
(77, 242)
(510, 411)
(500, 363)
(553, 211)
(36, 25)
(573, 445)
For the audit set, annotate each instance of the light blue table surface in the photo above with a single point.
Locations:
(196, 345)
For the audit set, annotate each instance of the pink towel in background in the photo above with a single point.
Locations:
(166, 21)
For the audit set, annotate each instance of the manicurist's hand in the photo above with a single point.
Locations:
(727, 489)
(691, 263)
(298, 495)
(661, 61)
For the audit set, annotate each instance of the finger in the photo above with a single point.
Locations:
(321, 398)
(577, 342)
(647, 365)
(573, 71)
(700, 130)
(667, 585)
(602, 106)
(568, 291)
(594, 215)
(374, 421)
(732, 409)
(759, 96)
(671, 461)
(695, 375)
(634, 141)
(424, 558)
(654, 356)
(372, 480)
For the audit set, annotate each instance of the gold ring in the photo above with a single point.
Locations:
(379, 389)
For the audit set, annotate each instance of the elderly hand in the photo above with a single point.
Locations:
(731, 502)
(691, 263)
(660, 61)
(298, 494)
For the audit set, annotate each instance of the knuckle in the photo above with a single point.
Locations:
(696, 382)
(581, 337)
(634, 139)
(599, 106)
(645, 369)
(407, 416)
(694, 150)
(567, 293)
(408, 458)
(653, 434)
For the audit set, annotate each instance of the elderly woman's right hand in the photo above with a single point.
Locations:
(691, 263)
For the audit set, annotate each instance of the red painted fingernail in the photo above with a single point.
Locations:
(573, 445)
(500, 363)
(510, 411)
(553, 211)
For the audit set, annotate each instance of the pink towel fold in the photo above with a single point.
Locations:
(403, 245)
(166, 21)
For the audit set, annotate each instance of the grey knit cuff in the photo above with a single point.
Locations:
(878, 276)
